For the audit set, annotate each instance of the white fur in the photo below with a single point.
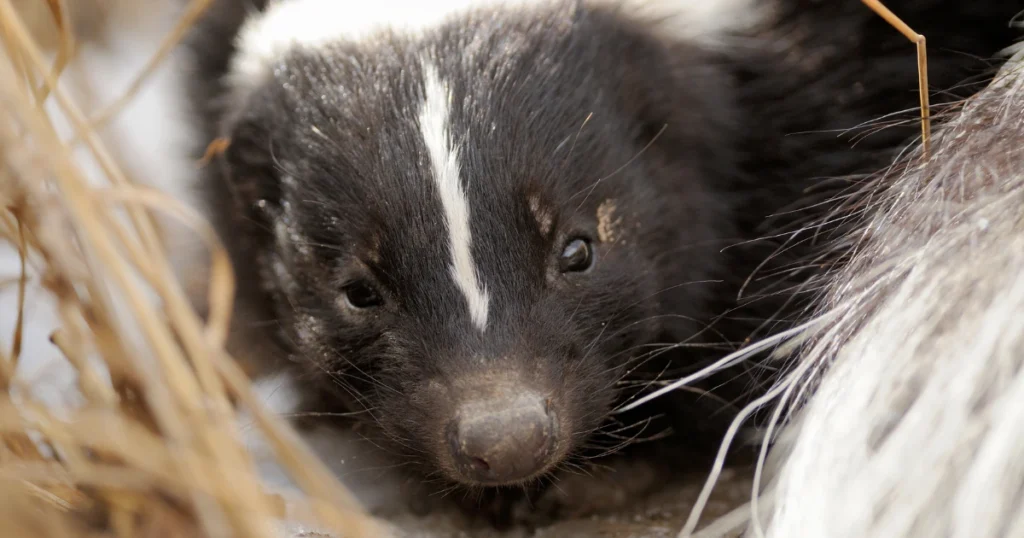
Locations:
(917, 427)
(444, 161)
(309, 24)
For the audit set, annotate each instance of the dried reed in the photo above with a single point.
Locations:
(154, 449)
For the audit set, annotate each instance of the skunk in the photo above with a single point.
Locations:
(477, 228)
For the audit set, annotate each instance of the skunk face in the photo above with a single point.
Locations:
(469, 232)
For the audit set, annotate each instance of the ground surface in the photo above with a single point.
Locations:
(660, 516)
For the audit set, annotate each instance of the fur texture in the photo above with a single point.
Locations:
(908, 388)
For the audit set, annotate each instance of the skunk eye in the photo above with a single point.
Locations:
(577, 256)
(360, 295)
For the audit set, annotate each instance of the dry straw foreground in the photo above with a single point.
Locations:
(154, 448)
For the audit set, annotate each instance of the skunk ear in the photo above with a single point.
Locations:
(675, 91)
(244, 182)
(662, 81)
(241, 174)
(248, 165)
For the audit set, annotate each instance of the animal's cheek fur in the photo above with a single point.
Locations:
(618, 303)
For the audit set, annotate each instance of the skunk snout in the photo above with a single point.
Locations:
(503, 438)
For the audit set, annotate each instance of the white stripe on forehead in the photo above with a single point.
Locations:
(289, 24)
(434, 118)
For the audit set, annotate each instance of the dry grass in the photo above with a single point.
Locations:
(156, 449)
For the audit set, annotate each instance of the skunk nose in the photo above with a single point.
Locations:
(500, 440)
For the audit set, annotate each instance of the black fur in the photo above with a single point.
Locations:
(575, 108)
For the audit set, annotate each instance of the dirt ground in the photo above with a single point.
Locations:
(660, 516)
